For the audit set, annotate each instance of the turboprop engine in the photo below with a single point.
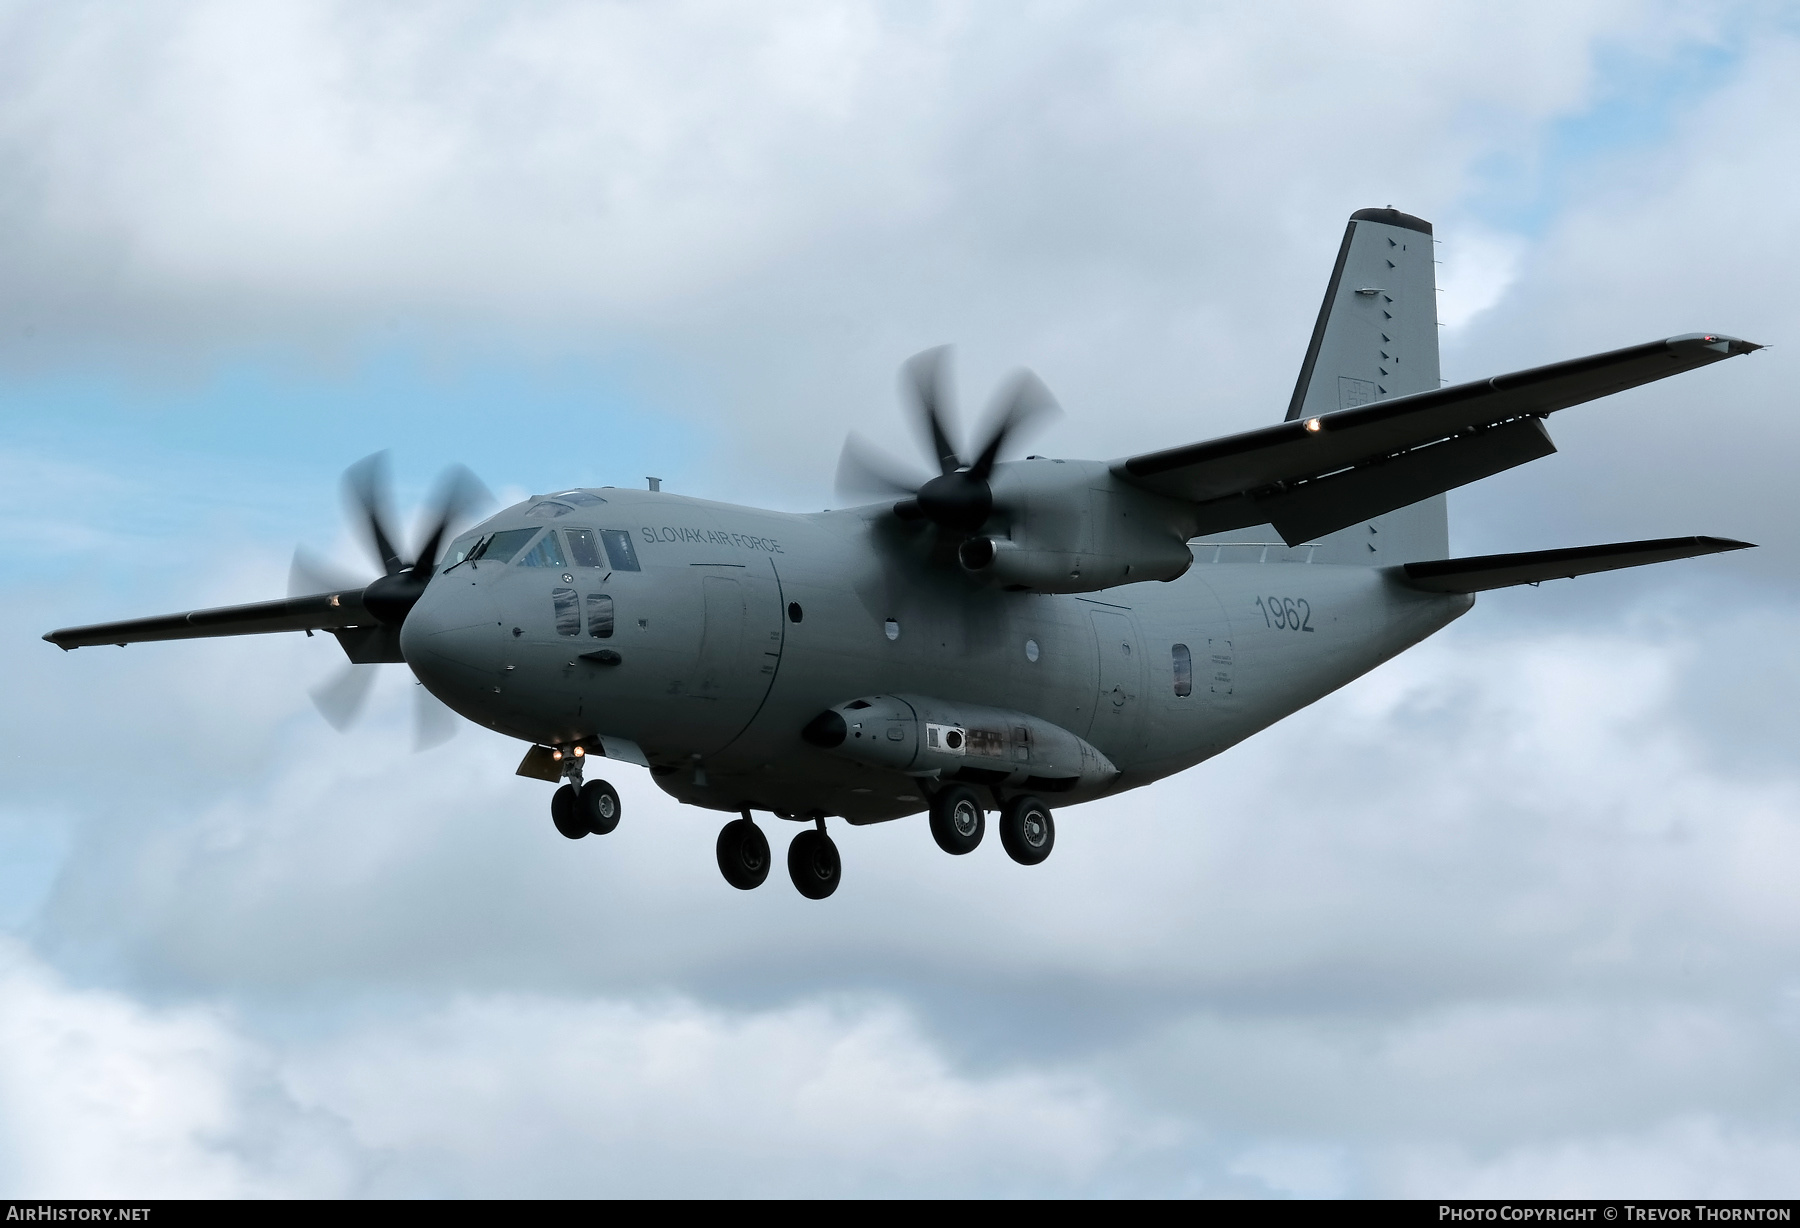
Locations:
(927, 737)
(1038, 525)
(1072, 527)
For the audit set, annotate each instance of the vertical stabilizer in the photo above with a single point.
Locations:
(1376, 338)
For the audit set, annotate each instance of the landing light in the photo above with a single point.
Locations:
(580, 751)
(1312, 424)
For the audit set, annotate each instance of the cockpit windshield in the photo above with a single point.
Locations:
(503, 545)
(459, 550)
(547, 553)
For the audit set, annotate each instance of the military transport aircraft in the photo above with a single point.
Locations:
(1005, 636)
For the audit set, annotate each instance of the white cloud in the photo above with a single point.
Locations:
(1479, 267)
(102, 1097)
(1512, 915)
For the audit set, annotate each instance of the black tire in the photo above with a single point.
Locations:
(743, 854)
(814, 865)
(957, 820)
(1027, 830)
(598, 807)
(565, 812)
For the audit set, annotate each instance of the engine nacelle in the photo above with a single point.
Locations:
(1073, 527)
(922, 736)
(1003, 561)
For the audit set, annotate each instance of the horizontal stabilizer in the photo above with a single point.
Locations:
(1476, 575)
(323, 612)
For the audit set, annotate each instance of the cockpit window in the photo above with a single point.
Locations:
(584, 549)
(547, 553)
(458, 551)
(503, 545)
(620, 550)
(548, 509)
(580, 498)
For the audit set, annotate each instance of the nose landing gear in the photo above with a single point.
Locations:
(580, 809)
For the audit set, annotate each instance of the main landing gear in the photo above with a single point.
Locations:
(1026, 829)
(580, 809)
(743, 853)
(813, 861)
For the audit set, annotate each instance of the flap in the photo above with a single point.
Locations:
(1297, 451)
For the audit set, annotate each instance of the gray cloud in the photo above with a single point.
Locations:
(1511, 915)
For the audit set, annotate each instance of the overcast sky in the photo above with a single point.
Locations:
(1515, 914)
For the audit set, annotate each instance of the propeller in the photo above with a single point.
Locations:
(390, 596)
(960, 498)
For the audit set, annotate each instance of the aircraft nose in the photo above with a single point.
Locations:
(451, 640)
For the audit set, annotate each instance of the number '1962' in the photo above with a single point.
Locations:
(1286, 613)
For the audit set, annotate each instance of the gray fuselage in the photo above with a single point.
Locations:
(739, 626)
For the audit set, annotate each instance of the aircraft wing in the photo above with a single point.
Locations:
(322, 612)
(1313, 476)
(1476, 575)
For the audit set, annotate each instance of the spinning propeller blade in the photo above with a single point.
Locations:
(309, 574)
(864, 471)
(433, 722)
(960, 497)
(390, 596)
(340, 700)
(366, 491)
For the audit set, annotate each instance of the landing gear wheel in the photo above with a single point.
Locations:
(814, 865)
(597, 806)
(565, 812)
(744, 855)
(957, 821)
(1027, 830)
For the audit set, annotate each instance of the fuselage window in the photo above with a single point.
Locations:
(568, 610)
(600, 616)
(1184, 670)
(545, 554)
(620, 550)
(503, 545)
(583, 548)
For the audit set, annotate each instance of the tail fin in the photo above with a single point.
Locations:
(1376, 337)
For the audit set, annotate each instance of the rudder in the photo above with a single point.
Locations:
(1376, 338)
